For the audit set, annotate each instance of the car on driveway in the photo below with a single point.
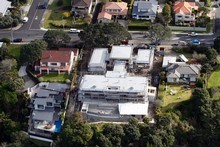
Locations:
(192, 34)
(74, 31)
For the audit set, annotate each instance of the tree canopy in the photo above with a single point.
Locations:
(76, 132)
(167, 13)
(56, 38)
(103, 35)
(31, 52)
(158, 32)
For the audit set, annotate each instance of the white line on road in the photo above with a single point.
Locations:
(34, 15)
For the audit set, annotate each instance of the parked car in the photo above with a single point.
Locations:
(44, 6)
(74, 31)
(25, 19)
(17, 40)
(196, 42)
(193, 34)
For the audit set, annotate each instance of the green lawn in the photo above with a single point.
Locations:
(53, 77)
(214, 79)
(170, 101)
(55, 17)
(14, 50)
(136, 25)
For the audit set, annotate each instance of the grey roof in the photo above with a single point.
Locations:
(45, 90)
(4, 6)
(81, 3)
(149, 7)
(43, 101)
(43, 115)
(179, 69)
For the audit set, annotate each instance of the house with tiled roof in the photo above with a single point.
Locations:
(184, 11)
(55, 61)
(104, 17)
(116, 8)
(186, 73)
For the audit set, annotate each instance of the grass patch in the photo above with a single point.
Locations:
(134, 24)
(214, 79)
(54, 77)
(14, 50)
(170, 101)
(60, 16)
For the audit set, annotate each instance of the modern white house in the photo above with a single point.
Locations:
(46, 109)
(4, 7)
(145, 58)
(116, 90)
(97, 63)
(145, 10)
(167, 60)
(121, 53)
(55, 61)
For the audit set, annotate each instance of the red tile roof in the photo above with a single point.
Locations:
(75, 50)
(56, 56)
(184, 7)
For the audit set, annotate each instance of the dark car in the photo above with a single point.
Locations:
(17, 40)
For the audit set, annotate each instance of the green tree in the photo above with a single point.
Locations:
(167, 13)
(75, 132)
(203, 10)
(217, 44)
(114, 133)
(158, 32)
(103, 34)
(203, 20)
(7, 127)
(211, 55)
(132, 131)
(56, 38)
(31, 52)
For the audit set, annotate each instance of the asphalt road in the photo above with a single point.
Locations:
(31, 30)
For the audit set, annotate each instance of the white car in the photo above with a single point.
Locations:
(25, 19)
(192, 34)
(74, 31)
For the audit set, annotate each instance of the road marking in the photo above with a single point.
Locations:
(34, 15)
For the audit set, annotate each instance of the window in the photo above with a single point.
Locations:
(40, 106)
(44, 63)
(63, 64)
(53, 63)
(49, 104)
(179, 16)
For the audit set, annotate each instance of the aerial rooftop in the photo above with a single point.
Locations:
(121, 52)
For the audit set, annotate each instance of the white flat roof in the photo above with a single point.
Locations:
(98, 57)
(121, 52)
(4, 6)
(122, 84)
(1, 44)
(167, 60)
(133, 108)
(183, 58)
(144, 56)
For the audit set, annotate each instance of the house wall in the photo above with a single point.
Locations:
(172, 80)
(113, 96)
(183, 18)
(104, 20)
(145, 17)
